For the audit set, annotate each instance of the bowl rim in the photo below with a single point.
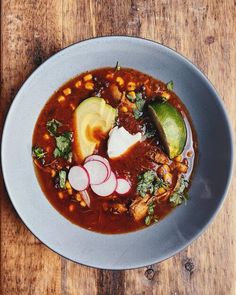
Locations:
(209, 84)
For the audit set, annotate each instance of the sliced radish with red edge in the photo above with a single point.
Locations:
(123, 186)
(97, 171)
(106, 188)
(101, 159)
(78, 178)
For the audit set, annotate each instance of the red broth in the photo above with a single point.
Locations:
(102, 215)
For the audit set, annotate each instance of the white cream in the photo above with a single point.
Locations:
(120, 140)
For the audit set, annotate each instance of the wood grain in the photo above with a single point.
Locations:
(204, 31)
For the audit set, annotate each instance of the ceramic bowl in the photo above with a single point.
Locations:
(210, 181)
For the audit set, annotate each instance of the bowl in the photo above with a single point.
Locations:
(178, 229)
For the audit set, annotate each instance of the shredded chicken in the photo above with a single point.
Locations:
(119, 208)
(139, 207)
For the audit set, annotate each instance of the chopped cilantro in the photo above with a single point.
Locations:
(63, 146)
(170, 85)
(179, 196)
(52, 126)
(38, 152)
(149, 182)
(140, 102)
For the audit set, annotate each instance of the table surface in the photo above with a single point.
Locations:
(204, 32)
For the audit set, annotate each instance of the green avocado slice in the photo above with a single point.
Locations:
(171, 127)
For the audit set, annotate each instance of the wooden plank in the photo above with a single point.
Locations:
(29, 35)
(201, 30)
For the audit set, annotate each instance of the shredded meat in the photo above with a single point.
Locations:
(115, 92)
(139, 207)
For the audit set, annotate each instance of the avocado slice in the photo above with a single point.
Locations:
(93, 119)
(171, 127)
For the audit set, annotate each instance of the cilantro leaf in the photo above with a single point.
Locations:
(63, 146)
(179, 196)
(140, 102)
(38, 152)
(170, 85)
(148, 220)
(52, 126)
(131, 98)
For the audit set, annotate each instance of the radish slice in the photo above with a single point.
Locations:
(101, 159)
(78, 178)
(123, 186)
(106, 188)
(85, 197)
(97, 171)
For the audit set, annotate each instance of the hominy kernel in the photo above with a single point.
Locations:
(120, 81)
(53, 173)
(46, 136)
(48, 149)
(61, 98)
(110, 76)
(70, 191)
(68, 186)
(131, 86)
(71, 207)
(88, 77)
(124, 109)
(83, 204)
(67, 91)
(78, 84)
(89, 85)
(60, 195)
(78, 197)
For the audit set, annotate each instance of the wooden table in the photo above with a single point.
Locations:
(203, 31)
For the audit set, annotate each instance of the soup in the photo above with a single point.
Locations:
(114, 150)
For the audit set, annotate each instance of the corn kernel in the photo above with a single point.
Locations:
(124, 109)
(167, 177)
(72, 106)
(166, 95)
(120, 81)
(70, 191)
(161, 190)
(67, 91)
(78, 197)
(89, 85)
(71, 207)
(133, 94)
(53, 173)
(83, 204)
(46, 136)
(61, 98)
(60, 195)
(48, 149)
(68, 186)
(78, 84)
(110, 76)
(178, 158)
(88, 77)
(131, 86)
